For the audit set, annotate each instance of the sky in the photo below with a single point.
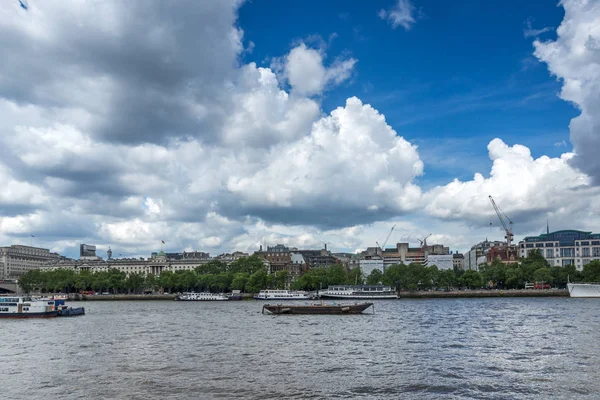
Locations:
(222, 125)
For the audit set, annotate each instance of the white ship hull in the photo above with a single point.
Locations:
(358, 296)
(584, 289)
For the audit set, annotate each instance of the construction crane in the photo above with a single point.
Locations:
(386, 239)
(424, 241)
(501, 217)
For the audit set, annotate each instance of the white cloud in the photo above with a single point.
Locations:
(521, 185)
(305, 72)
(529, 31)
(575, 59)
(351, 161)
(402, 14)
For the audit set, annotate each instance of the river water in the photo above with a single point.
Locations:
(412, 349)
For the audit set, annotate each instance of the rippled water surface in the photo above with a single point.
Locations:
(421, 349)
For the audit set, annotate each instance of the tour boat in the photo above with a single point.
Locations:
(371, 292)
(316, 308)
(281, 295)
(204, 296)
(25, 307)
(584, 289)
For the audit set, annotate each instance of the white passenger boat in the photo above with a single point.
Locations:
(281, 295)
(25, 307)
(584, 289)
(204, 296)
(358, 292)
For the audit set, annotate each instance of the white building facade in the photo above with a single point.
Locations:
(442, 262)
(16, 260)
(367, 266)
(564, 248)
(155, 265)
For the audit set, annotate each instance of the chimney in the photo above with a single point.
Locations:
(325, 246)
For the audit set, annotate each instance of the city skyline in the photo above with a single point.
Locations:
(126, 124)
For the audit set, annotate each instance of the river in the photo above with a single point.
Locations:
(495, 348)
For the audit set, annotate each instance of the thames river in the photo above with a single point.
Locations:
(494, 348)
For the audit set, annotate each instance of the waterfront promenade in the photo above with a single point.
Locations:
(403, 295)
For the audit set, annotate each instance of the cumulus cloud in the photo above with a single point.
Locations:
(525, 189)
(306, 73)
(401, 14)
(574, 58)
(353, 165)
(127, 124)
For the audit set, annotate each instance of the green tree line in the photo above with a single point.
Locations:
(250, 275)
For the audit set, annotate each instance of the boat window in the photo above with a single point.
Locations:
(25, 308)
(4, 309)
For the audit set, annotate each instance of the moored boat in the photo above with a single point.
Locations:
(25, 307)
(370, 292)
(584, 289)
(317, 308)
(65, 311)
(281, 295)
(203, 296)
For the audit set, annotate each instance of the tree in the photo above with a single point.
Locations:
(471, 279)
(542, 275)
(514, 277)
(29, 280)
(239, 281)
(591, 271)
(212, 267)
(494, 274)
(135, 281)
(355, 276)
(375, 277)
(281, 279)
(392, 275)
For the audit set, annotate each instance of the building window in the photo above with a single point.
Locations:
(585, 252)
(539, 245)
(595, 251)
(549, 244)
(568, 262)
(549, 253)
(585, 243)
(567, 252)
(529, 245)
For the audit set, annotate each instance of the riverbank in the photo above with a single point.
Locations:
(403, 295)
(485, 293)
(113, 297)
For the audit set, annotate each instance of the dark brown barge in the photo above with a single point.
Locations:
(317, 308)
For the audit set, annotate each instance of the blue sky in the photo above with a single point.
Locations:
(461, 76)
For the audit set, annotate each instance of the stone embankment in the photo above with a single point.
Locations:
(113, 297)
(485, 293)
(403, 295)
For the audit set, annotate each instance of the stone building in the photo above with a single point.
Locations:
(16, 260)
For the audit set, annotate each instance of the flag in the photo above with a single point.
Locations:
(163, 242)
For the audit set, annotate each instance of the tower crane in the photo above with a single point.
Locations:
(501, 217)
(386, 239)
(424, 241)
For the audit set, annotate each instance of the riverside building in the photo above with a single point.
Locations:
(16, 260)
(564, 248)
(158, 263)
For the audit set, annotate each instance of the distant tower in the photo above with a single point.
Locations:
(547, 227)
(109, 253)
